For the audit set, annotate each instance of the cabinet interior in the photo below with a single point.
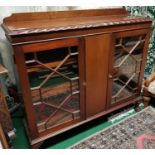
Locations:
(54, 82)
(127, 65)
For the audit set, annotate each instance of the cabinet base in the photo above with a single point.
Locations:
(37, 142)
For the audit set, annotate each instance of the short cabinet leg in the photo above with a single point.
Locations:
(146, 101)
(137, 107)
(37, 146)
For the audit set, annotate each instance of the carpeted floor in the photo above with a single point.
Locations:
(72, 137)
(136, 131)
(69, 138)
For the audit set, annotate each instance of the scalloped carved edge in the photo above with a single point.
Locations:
(130, 20)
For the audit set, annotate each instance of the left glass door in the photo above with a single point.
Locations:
(53, 76)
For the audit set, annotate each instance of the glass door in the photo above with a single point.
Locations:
(126, 67)
(54, 83)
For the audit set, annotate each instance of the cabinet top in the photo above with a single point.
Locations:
(42, 22)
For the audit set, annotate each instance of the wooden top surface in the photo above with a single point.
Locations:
(40, 22)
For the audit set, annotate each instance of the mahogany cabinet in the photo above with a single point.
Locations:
(75, 66)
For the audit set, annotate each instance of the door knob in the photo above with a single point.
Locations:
(110, 76)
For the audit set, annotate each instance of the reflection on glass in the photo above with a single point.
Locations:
(127, 61)
(54, 81)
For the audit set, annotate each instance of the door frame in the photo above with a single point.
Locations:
(111, 62)
(19, 51)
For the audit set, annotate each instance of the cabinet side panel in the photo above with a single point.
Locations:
(97, 51)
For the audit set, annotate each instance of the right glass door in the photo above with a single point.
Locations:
(125, 70)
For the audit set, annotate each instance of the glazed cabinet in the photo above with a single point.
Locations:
(76, 66)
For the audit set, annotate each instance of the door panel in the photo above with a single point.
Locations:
(124, 73)
(54, 80)
(97, 53)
